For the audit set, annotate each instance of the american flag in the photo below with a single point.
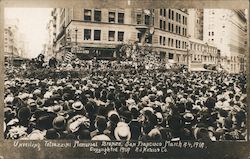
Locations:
(69, 56)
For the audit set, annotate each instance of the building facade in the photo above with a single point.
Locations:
(14, 44)
(202, 52)
(10, 38)
(227, 30)
(195, 23)
(84, 31)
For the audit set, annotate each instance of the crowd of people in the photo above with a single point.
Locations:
(126, 105)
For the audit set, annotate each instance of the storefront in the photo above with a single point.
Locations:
(88, 53)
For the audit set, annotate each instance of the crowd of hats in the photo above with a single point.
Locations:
(147, 105)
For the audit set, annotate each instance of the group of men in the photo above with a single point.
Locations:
(126, 104)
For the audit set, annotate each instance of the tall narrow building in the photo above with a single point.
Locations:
(227, 30)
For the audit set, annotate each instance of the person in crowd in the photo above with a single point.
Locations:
(124, 103)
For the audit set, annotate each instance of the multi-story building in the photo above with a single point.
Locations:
(201, 51)
(99, 31)
(48, 50)
(195, 23)
(227, 30)
(10, 38)
(14, 44)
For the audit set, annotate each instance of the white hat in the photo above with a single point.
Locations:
(122, 131)
(159, 117)
(77, 105)
(36, 135)
(101, 137)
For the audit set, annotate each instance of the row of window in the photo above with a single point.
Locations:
(97, 35)
(211, 33)
(200, 47)
(204, 58)
(171, 15)
(96, 15)
(178, 43)
(178, 29)
(146, 19)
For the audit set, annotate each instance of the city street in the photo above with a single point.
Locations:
(126, 74)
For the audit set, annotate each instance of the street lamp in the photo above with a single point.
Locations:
(188, 62)
(187, 46)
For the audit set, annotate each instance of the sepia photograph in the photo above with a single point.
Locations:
(125, 74)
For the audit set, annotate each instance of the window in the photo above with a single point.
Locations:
(111, 35)
(168, 41)
(183, 20)
(169, 14)
(208, 33)
(164, 25)
(97, 34)
(149, 39)
(169, 26)
(176, 29)
(212, 33)
(183, 31)
(172, 15)
(139, 36)
(97, 15)
(87, 34)
(177, 16)
(164, 12)
(138, 19)
(147, 19)
(172, 42)
(111, 17)
(121, 18)
(160, 40)
(176, 43)
(120, 36)
(161, 10)
(172, 29)
(164, 41)
(160, 24)
(87, 14)
(170, 56)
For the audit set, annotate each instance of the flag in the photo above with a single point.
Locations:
(69, 56)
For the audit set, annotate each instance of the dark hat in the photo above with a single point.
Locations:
(101, 123)
(59, 122)
(71, 136)
(113, 116)
(24, 113)
(84, 134)
(52, 134)
(126, 115)
(201, 134)
(45, 120)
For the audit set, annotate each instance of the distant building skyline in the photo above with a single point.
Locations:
(32, 24)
